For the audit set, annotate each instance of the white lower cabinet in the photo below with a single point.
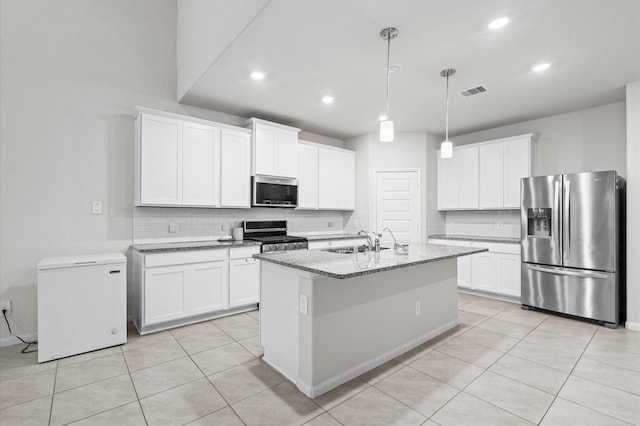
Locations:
(496, 271)
(484, 272)
(173, 288)
(244, 278)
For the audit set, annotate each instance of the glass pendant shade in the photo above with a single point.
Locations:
(446, 149)
(386, 131)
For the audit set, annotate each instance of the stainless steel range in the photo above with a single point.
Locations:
(273, 235)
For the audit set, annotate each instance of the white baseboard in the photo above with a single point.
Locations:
(337, 380)
(12, 340)
(635, 326)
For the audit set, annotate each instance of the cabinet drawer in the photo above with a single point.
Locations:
(499, 248)
(184, 257)
(240, 252)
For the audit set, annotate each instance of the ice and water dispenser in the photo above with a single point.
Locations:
(539, 222)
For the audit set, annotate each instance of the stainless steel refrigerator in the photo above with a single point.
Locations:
(572, 234)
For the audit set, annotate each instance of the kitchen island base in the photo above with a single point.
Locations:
(320, 332)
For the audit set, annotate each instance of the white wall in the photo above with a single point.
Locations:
(407, 151)
(585, 140)
(633, 206)
(70, 75)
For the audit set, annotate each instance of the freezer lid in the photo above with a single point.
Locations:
(49, 263)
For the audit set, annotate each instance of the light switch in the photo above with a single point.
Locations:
(96, 207)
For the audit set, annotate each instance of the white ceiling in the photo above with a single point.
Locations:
(309, 48)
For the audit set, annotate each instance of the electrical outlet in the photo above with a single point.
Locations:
(6, 305)
(96, 207)
(499, 225)
(226, 227)
(173, 227)
(356, 224)
(304, 309)
(330, 224)
(418, 307)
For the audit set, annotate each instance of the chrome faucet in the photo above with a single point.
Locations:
(373, 243)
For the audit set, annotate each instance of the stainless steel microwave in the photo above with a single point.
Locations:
(269, 191)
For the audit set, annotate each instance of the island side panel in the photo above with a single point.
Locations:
(279, 318)
(362, 322)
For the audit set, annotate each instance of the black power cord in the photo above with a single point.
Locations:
(24, 351)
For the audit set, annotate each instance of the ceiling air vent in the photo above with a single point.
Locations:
(474, 91)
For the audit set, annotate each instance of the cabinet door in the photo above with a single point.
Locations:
(206, 287)
(508, 274)
(244, 282)
(235, 179)
(160, 161)
(464, 271)
(264, 149)
(307, 177)
(468, 177)
(491, 176)
(200, 165)
(164, 290)
(517, 164)
(484, 274)
(286, 155)
(327, 179)
(448, 182)
(346, 181)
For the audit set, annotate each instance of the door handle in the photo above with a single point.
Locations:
(585, 274)
(556, 220)
(567, 216)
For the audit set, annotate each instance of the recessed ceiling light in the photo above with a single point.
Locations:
(327, 99)
(383, 117)
(257, 75)
(498, 23)
(541, 67)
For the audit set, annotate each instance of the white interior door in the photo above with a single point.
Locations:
(398, 205)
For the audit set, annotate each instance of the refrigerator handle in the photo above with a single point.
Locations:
(556, 221)
(585, 274)
(567, 221)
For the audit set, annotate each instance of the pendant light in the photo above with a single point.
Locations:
(386, 126)
(446, 147)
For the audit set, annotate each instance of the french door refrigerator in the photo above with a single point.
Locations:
(572, 244)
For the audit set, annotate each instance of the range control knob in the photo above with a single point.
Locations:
(285, 246)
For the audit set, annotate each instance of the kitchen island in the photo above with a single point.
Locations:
(328, 317)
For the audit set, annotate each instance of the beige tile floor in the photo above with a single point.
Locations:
(500, 366)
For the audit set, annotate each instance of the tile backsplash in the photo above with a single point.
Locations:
(484, 223)
(169, 224)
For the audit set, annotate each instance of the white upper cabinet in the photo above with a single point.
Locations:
(518, 163)
(200, 159)
(182, 161)
(458, 179)
(274, 148)
(307, 177)
(485, 175)
(160, 160)
(491, 176)
(235, 169)
(326, 177)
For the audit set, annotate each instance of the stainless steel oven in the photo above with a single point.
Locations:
(269, 191)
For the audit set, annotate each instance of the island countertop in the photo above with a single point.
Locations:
(342, 266)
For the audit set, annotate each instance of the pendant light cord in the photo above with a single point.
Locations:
(388, 66)
(446, 115)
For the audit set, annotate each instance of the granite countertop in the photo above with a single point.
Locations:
(503, 240)
(341, 266)
(327, 237)
(192, 245)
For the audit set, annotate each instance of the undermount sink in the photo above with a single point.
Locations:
(349, 250)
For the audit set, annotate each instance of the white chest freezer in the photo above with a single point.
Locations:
(82, 304)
